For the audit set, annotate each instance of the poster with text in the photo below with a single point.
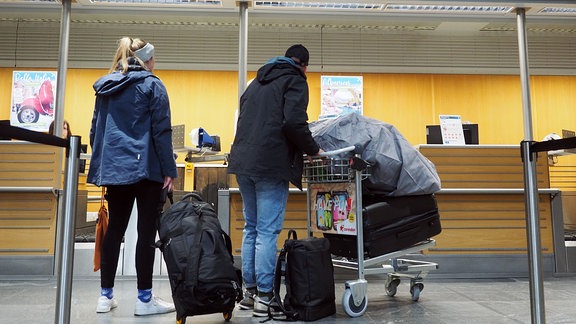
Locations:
(333, 208)
(340, 95)
(451, 129)
(33, 99)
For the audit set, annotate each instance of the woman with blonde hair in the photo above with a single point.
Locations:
(132, 156)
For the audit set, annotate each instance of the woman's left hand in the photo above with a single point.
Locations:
(168, 183)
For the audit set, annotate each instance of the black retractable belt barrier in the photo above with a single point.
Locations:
(30, 136)
(552, 145)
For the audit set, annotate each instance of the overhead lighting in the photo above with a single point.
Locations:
(318, 5)
(160, 2)
(558, 11)
(457, 9)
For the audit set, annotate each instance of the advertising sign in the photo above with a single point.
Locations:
(33, 99)
(340, 95)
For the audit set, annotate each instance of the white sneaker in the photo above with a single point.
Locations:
(154, 306)
(105, 304)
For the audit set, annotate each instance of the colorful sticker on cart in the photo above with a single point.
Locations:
(333, 208)
(323, 211)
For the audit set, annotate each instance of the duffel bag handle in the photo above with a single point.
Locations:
(194, 195)
(293, 233)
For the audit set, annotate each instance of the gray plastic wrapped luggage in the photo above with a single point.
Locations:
(398, 169)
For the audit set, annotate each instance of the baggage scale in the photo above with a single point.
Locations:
(334, 195)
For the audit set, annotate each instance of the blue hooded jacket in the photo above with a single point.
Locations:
(131, 132)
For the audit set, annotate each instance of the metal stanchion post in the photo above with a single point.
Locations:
(66, 259)
(533, 234)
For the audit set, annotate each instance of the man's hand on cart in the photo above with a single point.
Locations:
(311, 157)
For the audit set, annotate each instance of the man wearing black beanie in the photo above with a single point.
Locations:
(267, 154)
(299, 54)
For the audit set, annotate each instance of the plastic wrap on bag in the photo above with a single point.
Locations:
(398, 169)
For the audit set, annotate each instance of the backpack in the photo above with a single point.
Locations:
(306, 266)
(198, 256)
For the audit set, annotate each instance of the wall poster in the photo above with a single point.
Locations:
(33, 98)
(340, 95)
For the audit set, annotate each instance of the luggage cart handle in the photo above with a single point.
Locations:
(338, 151)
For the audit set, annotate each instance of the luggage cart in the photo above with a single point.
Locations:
(334, 193)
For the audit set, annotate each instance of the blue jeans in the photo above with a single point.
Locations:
(264, 204)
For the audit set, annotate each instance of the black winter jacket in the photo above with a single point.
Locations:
(272, 129)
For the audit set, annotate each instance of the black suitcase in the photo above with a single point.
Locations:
(390, 224)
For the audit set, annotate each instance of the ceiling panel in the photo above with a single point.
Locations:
(339, 40)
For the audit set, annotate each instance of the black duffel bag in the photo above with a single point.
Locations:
(306, 266)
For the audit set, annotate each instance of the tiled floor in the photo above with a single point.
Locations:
(443, 301)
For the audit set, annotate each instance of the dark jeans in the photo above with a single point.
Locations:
(120, 202)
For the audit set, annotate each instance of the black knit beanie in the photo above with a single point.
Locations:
(300, 52)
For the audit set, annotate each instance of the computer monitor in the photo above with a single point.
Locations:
(434, 134)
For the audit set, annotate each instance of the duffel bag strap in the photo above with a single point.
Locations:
(194, 255)
(280, 272)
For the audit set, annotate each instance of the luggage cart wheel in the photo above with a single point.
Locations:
(227, 316)
(392, 286)
(415, 290)
(350, 307)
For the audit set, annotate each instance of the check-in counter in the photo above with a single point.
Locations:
(563, 176)
(482, 212)
(29, 186)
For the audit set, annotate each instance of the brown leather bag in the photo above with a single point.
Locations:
(101, 227)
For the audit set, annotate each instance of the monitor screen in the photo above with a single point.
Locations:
(434, 134)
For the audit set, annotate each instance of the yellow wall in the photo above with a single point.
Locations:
(408, 101)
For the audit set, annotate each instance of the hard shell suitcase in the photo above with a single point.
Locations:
(390, 224)
(382, 210)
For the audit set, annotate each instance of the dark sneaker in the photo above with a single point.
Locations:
(248, 301)
(261, 304)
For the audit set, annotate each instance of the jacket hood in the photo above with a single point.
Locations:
(115, 82)
(277, 67)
